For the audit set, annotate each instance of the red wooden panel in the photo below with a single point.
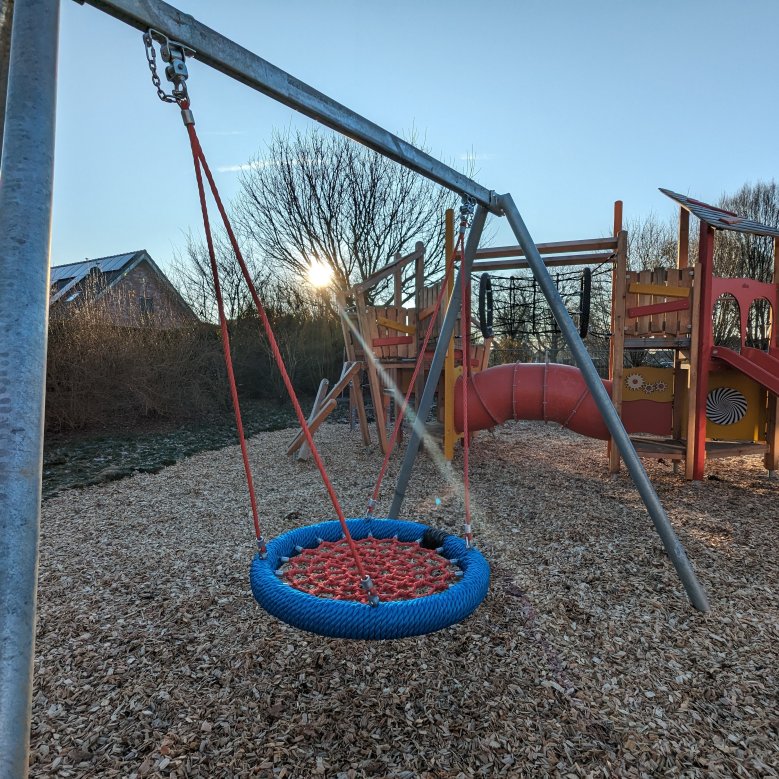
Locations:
(392, 341)
(659, 308)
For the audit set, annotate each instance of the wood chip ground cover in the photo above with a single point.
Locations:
(153, 660)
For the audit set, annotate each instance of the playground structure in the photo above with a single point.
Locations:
(387, 339)
(25, 211)
(707, 401)
(711, 401)
(392, 335)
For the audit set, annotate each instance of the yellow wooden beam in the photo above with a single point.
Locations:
(391, 324)
(658, 290)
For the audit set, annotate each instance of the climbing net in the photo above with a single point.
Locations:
(521, 310)
(402, 570)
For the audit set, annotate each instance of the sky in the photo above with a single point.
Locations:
(567, 105)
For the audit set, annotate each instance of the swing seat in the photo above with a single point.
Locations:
(309, 581)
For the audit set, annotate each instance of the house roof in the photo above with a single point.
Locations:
(65, 278)
(81, 269)
(719, 218)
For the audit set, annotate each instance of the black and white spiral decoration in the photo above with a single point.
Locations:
(725, 406)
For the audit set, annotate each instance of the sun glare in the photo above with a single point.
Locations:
(319, 274)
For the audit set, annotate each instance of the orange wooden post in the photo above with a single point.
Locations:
(367, 322)
(683, 242)
(419, 286)
(617, 217)
(617, 353)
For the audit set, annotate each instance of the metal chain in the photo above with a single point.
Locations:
(176, 72)
(467, 210)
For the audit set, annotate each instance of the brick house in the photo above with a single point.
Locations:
(129, 289)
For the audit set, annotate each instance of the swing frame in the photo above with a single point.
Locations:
(26, 185)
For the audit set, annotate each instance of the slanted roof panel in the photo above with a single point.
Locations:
(74, 272)
(719, 218)
(81, 269)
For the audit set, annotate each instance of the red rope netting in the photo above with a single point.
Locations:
(401, 570)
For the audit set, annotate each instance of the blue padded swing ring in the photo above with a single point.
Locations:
(355, 620)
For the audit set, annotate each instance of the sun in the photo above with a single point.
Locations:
(320, 274)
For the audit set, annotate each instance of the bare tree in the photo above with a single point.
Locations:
(752, 256)
(652, 242)
(317, 196)
(739, 254)
(193, 277)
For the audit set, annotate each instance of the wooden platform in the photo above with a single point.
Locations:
(671, 449)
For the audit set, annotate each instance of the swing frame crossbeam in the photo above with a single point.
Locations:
(26, 184)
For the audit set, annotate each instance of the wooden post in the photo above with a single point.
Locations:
(374, 381)
(304, 452)
(683, 241)
(356, 400)
(692, 388)
(397, 282)
(419, 284)
(325, 404)
(696, 426)
(449, 377)
(772, 426)
(617, 217)
(617, 354)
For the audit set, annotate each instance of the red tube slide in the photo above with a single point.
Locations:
(548, 392)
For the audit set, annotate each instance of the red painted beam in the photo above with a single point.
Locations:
(395, 340)
(659, 308)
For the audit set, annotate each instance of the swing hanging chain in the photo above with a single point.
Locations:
(467, 210)
(175, 55)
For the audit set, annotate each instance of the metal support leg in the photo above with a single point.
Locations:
(673, 546)
(6, 17)
(25, 226)
(447, 328)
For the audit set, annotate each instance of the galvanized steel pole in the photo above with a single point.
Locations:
(673, 546)
(239, 63)
(25, 227)
(437, 363)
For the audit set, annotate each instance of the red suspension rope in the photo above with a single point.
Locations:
(227, 354)
(201, 164)
(465, 329)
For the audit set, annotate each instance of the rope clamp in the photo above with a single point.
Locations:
(261, 548)
(367, 585)
(371, 506)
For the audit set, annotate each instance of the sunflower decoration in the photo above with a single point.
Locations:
(634, 381)
(661, 386)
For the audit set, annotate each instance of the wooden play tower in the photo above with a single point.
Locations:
(706, 401)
